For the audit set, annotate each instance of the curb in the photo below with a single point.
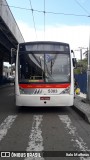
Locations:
(83, 109)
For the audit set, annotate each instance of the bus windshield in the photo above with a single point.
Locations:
(44, 67)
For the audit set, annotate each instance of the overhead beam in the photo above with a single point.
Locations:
(9, 20)
(6, 43)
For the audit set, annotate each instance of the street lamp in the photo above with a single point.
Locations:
(80, 50)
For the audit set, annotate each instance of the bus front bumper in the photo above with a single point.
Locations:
(44, 100)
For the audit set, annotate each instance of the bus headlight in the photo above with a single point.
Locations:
(66, 91)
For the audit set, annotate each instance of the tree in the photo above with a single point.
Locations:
(81, 66)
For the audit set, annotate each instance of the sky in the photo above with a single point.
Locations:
(71, 24)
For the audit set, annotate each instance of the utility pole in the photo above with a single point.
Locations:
(12, 52)
(80, 50)
(81, 54)
(88, 74)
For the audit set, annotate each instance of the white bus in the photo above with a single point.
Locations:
(44, 74)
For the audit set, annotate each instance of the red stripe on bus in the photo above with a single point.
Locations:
(44, 85)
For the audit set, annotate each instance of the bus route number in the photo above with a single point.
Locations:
(52, 90)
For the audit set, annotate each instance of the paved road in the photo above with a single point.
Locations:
(41, 129)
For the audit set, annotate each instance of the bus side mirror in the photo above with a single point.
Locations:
(74, 62)
(72, 51)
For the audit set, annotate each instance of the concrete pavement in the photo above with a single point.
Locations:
(82, 106)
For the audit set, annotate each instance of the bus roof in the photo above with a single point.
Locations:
(43, 42)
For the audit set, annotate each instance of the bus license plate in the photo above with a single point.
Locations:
(44, 98)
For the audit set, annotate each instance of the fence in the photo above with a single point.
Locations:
(82, 81)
